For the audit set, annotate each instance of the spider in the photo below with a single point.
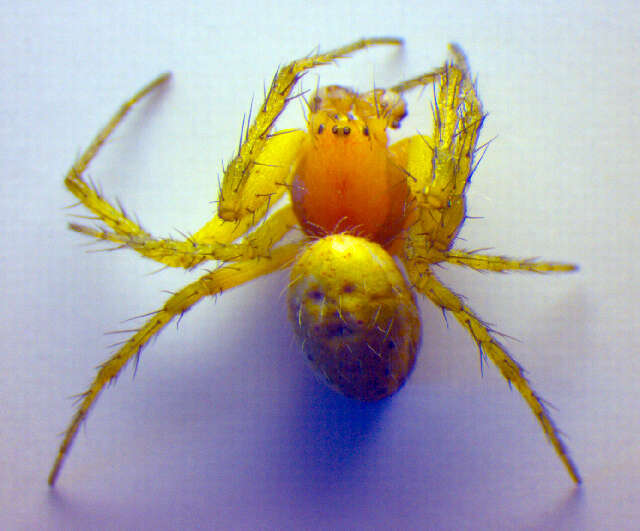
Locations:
(365, 225)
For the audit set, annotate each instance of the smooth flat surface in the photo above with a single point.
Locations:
(223, 425)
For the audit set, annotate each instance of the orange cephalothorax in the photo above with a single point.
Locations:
(346, 180)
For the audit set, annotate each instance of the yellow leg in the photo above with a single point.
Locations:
(483, 262)
(214, 236)
(441, 166)
(268, 179)
(212, 283)
(443, 297)
(191, 252)
(419, 81)
(90, 197)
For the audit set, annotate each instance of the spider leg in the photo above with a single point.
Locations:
(483, 262)
(87, 194)
(489, 346)
(213, 283)
(191, 252)
(440, 167)
(269, 179)
(458, 118)
(215, 236)
(419, 81)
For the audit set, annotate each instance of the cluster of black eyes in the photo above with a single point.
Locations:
(345, 130)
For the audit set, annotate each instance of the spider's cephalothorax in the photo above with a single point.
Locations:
(346, 179)
(364, 206)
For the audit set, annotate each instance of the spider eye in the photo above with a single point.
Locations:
(334, 129)
(346, 130)
(320, 129)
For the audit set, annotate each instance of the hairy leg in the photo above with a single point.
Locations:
(490, 347)
(87, 194)
(215, 237)
(212, 283)
(499, 264)
(191, 252)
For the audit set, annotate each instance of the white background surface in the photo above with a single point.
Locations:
(224, 426)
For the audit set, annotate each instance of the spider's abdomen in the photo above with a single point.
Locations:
(346, 181)
(355, 316)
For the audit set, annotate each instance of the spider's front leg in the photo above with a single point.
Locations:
(212, 283)
(441, 166)
(212, 242)
(253, 181)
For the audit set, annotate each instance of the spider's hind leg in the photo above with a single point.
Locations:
(212, 283)
(490, 347)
